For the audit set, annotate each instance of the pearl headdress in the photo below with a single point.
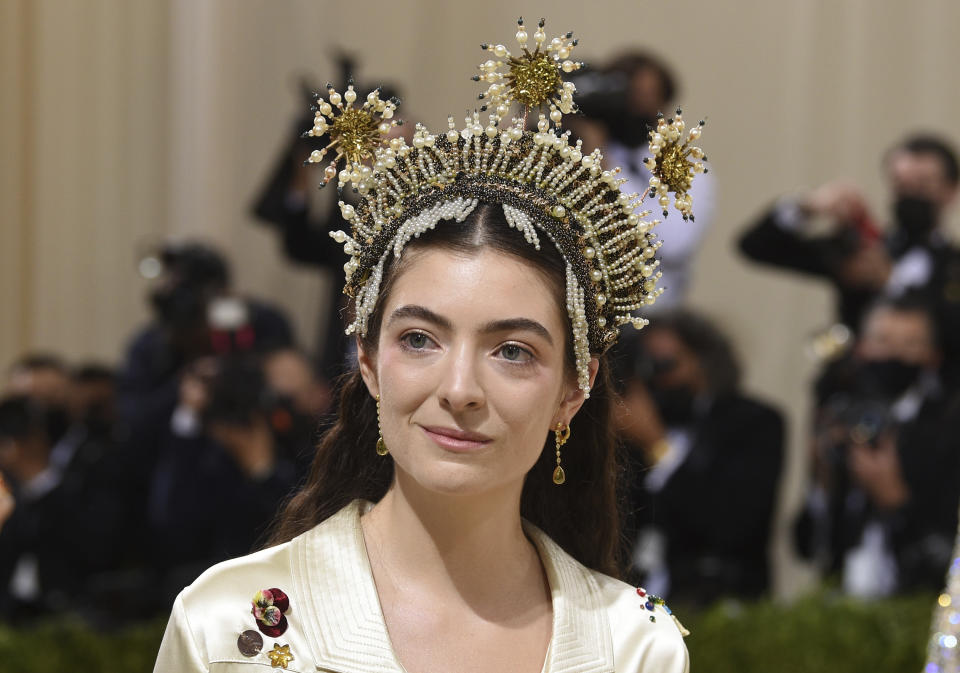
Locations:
(548, 188)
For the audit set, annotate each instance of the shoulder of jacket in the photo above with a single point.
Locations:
(642, 626)
(242, 576)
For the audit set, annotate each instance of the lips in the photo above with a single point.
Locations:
(454, 439)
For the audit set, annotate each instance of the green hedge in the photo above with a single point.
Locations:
(818, 634)
(814, 635)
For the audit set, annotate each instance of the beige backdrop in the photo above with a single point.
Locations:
(125, 122)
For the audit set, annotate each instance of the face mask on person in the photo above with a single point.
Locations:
(631, 130)
(915, 216)
(674, 403)
(888, 378)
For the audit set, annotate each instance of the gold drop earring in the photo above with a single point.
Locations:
(563, 434)
(381, 445)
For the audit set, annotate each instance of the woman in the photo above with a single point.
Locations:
(441, 528)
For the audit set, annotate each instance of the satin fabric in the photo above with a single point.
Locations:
(600, 625)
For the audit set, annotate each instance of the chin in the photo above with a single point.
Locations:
(455, 479)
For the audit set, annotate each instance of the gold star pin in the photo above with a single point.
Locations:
(280, 656)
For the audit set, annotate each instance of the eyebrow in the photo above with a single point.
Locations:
(421, 312)
(517, 324)
(505, 325)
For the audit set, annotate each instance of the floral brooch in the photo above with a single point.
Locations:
(269, 606)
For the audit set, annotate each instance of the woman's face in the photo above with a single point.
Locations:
(470, 368)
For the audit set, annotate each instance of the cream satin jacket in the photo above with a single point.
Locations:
(335, 624)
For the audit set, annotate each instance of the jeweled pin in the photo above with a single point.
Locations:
(250, 643)
(280, 656)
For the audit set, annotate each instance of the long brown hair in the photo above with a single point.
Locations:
(581, 515)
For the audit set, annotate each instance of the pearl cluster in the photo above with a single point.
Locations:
(354, 133)
(533, 79)
(578, 322)
(674, 162)
(366, 299)
(547, 187)
(520, 221)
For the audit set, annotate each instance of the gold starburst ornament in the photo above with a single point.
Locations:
(674, 162)
(355, 133)
(532, 79)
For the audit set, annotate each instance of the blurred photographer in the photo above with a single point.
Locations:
(214, 492)
(620, 103)
(829, 233)
(882, 508)
(195, 314)
(704, 462)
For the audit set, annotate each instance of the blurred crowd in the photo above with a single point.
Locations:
(120, 484)
(123, 485)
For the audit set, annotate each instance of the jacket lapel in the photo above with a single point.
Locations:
(581, 641)
(345, 624)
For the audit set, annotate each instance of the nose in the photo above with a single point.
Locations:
(460, 387)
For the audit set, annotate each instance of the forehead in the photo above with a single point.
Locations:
(476, 288)
(904, 165)
(660, 340)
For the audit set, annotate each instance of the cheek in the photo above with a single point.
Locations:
(403, 381)
(526, 410)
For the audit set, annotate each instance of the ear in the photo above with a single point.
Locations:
(368, 369)
(574, 398)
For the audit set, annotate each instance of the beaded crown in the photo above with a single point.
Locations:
(548, 187)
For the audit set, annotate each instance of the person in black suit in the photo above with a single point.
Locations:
(70, 528)
(52, 540)
(881, 511)
(860, 260)
(704, 463)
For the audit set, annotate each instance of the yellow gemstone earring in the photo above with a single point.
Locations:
(563, 434)
(381, 445)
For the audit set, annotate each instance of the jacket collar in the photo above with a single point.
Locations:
(345, 625)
